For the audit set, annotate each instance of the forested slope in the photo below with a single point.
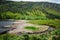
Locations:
(29, 10)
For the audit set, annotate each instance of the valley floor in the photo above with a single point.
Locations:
(18, 26)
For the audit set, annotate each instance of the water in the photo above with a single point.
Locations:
(6, 23)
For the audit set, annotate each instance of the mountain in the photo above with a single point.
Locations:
(29, 10)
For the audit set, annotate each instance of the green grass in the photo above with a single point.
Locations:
(31, 28)
(23, 37)
(52, 23)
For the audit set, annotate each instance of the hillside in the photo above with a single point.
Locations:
(29, 10)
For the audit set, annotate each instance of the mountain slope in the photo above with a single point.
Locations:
(29, 10)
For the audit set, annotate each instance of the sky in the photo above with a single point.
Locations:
(54, 1)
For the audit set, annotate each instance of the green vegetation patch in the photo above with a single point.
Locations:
(31, 28)
(24, 37)
(52, 23)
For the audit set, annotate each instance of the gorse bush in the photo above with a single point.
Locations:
(24, 37)
(28, 37)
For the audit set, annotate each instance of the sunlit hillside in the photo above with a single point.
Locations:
(29, 10)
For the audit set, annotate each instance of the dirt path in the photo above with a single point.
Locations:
(20, 24)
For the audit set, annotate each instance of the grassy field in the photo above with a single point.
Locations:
(52, 23)
(33, 28)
